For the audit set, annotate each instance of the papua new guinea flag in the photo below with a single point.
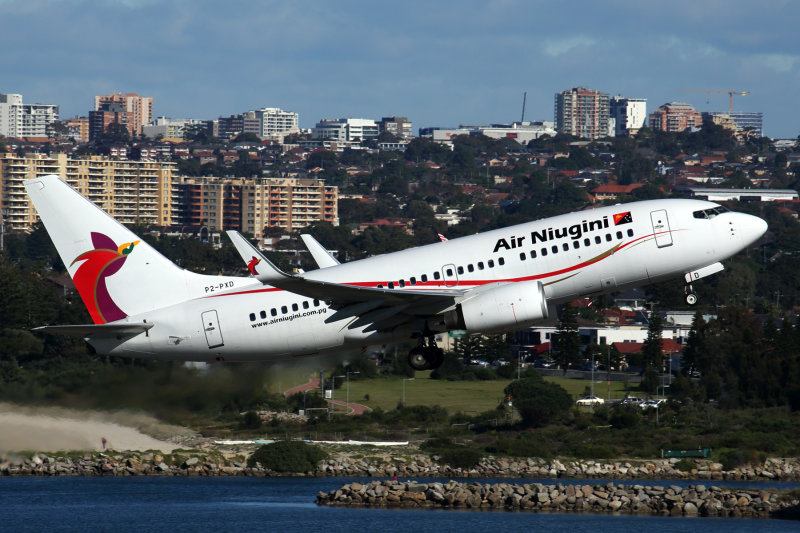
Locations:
(623, 218)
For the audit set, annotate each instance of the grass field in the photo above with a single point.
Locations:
(470, 397)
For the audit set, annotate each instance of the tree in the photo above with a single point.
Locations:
(567, 346)
(538, 401)
(652, 352)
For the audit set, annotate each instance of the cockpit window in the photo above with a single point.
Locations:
(710, 213)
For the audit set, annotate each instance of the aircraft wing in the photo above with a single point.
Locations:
(318, 252)
(339, 294)
(97, 330)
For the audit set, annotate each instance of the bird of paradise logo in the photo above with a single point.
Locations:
(251, 265)
(106, 259)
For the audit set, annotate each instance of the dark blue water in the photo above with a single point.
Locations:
(287, 504)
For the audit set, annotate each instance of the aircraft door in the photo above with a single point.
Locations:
(211, 328)
(661, 228)
(450, 275)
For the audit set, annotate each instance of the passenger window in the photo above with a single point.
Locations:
(597, 239)
(576, 244)
(490, 263)
(449, 271)
(253, 317)
(316, 303)
(263, 314)
(295, 307)
(284, 309)
(565, 246)
(436, 275)
(619, 235)
(630, 233)
(587, 242)
(424, 278)
(544, 252)
(460, 270)
(305, 305)
(608, 237)
(413, 280)
(522, 256)
(533, 254)
(554, 249)
(502, 261)
(391, 284)
(273, 312)
(470, 267)
(380, 285)
(480, 265)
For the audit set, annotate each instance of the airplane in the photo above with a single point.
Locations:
(144, 306)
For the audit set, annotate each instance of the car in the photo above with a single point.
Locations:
(632, 400)
(590, 400)
(652, 403)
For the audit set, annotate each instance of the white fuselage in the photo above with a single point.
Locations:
(573, 255)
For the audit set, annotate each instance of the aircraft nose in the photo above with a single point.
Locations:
(752, 228)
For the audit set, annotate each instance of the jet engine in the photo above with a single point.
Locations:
(509, 306)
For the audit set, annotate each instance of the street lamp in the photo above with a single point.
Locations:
(404, 389)
(348, 387)
(333, 388)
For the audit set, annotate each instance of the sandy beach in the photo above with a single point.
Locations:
(54, 429)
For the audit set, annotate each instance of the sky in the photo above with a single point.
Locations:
(438, 62)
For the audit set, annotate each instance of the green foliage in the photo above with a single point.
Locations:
(567, 343)
(685, 465)
(250, 420)
(538, 402)
(287, 456)
(460, 457)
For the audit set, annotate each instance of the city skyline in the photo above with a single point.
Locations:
(443, 64)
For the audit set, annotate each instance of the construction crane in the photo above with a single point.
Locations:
(729, 93)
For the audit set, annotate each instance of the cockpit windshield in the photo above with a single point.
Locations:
(711, 212)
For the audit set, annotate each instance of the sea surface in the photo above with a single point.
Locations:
(150, 504)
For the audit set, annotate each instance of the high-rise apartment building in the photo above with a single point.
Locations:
(345, 129)
(398, 126)
(629, 115)
(582, 112)
(276, 123)
(251, 204)
(675, 117)
(139, 107)
(133, 192)
(110, 113)
(25, 120)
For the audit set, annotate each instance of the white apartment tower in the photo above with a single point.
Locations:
(345, 129)
(629, 115)
(25, 120)
(276, 123)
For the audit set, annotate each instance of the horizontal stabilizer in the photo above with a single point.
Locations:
(96, 330)
(318, 252)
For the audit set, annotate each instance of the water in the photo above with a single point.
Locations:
(287, 504)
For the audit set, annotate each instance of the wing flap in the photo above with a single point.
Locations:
(96, 330)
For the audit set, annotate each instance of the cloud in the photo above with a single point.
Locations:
(560, 46)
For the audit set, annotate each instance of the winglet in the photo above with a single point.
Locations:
(259, 266)
(318, 252)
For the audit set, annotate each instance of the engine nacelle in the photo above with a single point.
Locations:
(510, 306)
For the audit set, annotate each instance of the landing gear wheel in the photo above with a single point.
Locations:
(417, 358)
(691, 298)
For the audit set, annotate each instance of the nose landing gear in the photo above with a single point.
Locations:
(426, 356)
(691, 296)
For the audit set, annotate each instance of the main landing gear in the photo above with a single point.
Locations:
(691, 296)
(426, 356)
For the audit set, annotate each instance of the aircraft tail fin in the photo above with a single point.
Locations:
(116, 273)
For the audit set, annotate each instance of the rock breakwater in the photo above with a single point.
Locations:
(694, 500)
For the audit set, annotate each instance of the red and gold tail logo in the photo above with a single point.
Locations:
(90, 279)
(251, 265)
